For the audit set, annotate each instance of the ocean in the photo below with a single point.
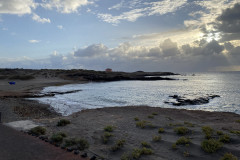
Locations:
(150, 93)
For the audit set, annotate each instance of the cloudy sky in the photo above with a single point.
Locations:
(149, 35)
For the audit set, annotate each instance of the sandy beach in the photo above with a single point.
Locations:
(134, 126)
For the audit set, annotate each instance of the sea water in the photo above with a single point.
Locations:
(150, 93)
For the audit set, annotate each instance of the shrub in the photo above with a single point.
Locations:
(126, 157)
(119, 144)
(145, 144)
(146, 151)
(186, 154)
(63, 122)
(151, 116)
(106, 136)
(157, 138)
(208, 131)
(38, 130)
(189, 124)
(154, 113)
(235, 132)
(183, 140)
(219, 133)
(136, 119)
(238, 121)
(224, 138)
(82, 144)
(161, 130)
(174, 146)
(108, 128)
(229, 156)
(70, 142)
(58, 137)
(136, 153)
(141, 124)
(181, 130)
(211, 145)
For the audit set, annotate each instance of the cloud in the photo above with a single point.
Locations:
(91, 51)
(145, 9)
(17, 7)
(60, 27)
(65, 6)
(37, 18)
(33, 41)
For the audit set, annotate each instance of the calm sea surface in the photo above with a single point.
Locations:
(151, 93)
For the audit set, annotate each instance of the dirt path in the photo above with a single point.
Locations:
(16, 145)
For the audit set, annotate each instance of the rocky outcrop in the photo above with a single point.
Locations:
(183, 101)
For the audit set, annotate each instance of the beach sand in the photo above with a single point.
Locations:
(90, 124)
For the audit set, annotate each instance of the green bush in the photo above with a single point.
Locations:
(154, 113)
(174, 146)
(208, 131)
(151, 116)
(119, 144)
(211, 145)
(58, 137)
(106, 136)
(224, 138)
(145, 144)
(238, 121)
(38, 130)
(63, 122)
(229, 156)
(235, 132)
(183, 140)
(71, 142)
(161, 130)
(144, 124)
(219, 133)
(189, 124)
(136, 119)
(82, 144)
(137, 152)
(181, 130)
(108, 128)
(157, 138)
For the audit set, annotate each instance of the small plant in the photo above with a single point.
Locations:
(183, 140)
(161, 130)
(211, 145)
(70, 142)
(238, 121)
(229, 156)
(119, 144)
(189, 124)
(108, 128)
(224, 138)
(181, 130)
(145, 144)
(38, 130)
(126, 157)
(174, 146)
(186, 154)
(58, 137)
(146, 151)
(82, 144)
(208, 131)
(136, 119)
(151, 116)
(63, 122)
(154, 113)
(137, 152)
(106, 136)
(141, 124)
(157, 138)
(219, 133)
(235, 132)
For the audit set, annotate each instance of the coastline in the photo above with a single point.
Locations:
(89, 124)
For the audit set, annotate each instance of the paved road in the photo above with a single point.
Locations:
(16, 145)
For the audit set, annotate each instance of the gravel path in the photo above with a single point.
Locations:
(16, 145)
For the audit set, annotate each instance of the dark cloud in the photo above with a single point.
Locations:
(229, 23)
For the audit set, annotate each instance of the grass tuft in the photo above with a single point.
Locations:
(188, 124)
(119, 144)
(145, 144)
(224, 138)
(136, 119)
(161, 130)
(229, 156)
(108, 128)
(211, 145)
(151, 116)
(183, 140)
(208, 131)
(63, 122)
(181, 130)
(58, 137)
(106, 136)
(38, 130)
(154, 113)
(157, 138)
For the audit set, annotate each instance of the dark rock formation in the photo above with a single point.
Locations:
(183, 101)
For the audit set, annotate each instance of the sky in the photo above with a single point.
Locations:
(147, 35)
